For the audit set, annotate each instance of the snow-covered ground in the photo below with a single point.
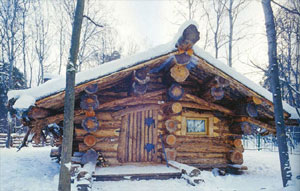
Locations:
(32, 169)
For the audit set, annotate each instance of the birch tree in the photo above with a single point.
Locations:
(64, 176)
(234, 7)
(216, 21)
(273, 65)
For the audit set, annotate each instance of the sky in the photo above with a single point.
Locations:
(150, 23)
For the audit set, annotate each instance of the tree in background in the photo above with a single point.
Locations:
(287, 22)
(234, 7)
(278, 109)
(10, 37)
(64, 176)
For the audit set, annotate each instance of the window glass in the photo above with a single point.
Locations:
(196, 126)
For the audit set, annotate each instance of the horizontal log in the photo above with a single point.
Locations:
(101, 116)
(201, 140)
(257, 122)
(202, 148)
(38, 113)
(102, 139)
(100, 146)
(200, 155)
(99, 133)
(211, 161)
(130, 99)
(108, 154)
(211, 105)
(194, 106)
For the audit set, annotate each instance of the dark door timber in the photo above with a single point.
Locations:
(138, 137)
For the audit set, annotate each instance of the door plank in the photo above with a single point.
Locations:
(143, 137)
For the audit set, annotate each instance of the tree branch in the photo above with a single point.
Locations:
(91, 20)
(285, 8)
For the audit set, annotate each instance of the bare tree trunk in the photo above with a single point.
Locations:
(230, 33)
(273, 64)
(64, 176)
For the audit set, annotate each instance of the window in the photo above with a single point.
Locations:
(196, 125)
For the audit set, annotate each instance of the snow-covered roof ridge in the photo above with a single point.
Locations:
(58, 84)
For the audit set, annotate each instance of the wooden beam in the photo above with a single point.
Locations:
(130, 99)
(256, 122)
(38, 113)
(208, 104)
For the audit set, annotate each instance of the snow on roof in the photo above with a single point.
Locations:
(58, 84)
(243, 79)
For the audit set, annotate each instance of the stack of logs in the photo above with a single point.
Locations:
(89, 102)
(236, 155)
(141, 78)
(171, 126)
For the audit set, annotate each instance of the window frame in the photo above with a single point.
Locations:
(195, 115)
(205, 119)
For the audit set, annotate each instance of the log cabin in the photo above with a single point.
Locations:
(173, 102)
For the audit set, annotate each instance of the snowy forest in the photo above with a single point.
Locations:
(35, 38)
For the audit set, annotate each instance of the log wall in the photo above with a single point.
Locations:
(214, 148)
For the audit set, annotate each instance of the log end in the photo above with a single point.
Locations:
(90, 140)
(176, 107)
(171, 140)
(179, 73)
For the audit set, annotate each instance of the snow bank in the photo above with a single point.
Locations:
(32, 169)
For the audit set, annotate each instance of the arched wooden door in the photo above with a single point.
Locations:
(138, 137)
